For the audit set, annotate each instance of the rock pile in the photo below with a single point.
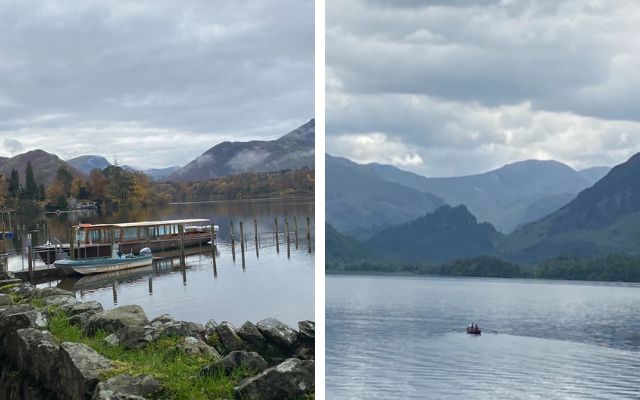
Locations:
(280, 358)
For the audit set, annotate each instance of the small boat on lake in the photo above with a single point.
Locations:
(474, 329)
(96, 265)
(96, 240)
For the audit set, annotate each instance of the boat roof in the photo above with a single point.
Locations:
(149, 223)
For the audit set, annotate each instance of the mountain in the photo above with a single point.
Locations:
(602, 219)
(507, 197)
(594, 174)
(340, 248)
(291, 151)
(44, 166)
(359, 202)
(447, 233)
(86, 163)
(159, 174)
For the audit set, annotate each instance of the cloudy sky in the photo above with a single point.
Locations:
(155, 82)
(463, 86)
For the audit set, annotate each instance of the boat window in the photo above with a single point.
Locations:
(116, 234)
(94, 236)
(175, 228)
(81, 235)
(130, 233)
(160, 230)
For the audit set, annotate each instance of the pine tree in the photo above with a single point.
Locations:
(31, 188)
(14, 183)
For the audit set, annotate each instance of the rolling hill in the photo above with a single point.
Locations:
(86, 163)
(360, 203)
(602, 219)
(447, 233)
(507, 197)
(44, 165)
(294, 150)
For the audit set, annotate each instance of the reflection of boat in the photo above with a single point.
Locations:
(102, 280)
(96, 240)
(98, 265)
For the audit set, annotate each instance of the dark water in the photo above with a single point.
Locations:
(400, 337)
(271, 284)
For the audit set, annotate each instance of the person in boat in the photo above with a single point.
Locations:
(116, 250)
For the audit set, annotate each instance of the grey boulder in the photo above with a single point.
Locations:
(291, 379)
(114, 319)
(278, 333)
(236, 359)
(80, 369)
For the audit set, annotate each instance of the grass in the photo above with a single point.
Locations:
(177, 371)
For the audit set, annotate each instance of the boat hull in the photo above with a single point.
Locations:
(101, 265)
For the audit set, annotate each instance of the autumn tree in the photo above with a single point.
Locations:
(64, 178)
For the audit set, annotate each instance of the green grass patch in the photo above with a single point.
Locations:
(176, 370)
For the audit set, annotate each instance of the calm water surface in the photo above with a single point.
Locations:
(271, 284)
(403, 337)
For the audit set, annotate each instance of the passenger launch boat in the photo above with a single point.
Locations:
(97, 240)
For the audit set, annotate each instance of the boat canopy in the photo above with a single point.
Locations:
(147, 223)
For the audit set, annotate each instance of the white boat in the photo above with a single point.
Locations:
(96, 265)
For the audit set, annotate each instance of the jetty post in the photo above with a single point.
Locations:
(112, 239)
(151, 285)
(233, 244)
(4, 238)
(309, 233)
(277, 238)
(147, 236)
(29, 257)
(214, 249)
(181, 236)
(295, 228)
(286, 227)
(255, 239)
(72, 244)
(242, 243)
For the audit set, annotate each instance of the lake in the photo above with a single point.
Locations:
(403, 337)
(271, 283)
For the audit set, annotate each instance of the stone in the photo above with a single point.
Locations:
(210, 328)
(19, 316)
(80, 370)
(116, 318)
(82, 307)
(50, 291)
(228, 337)
(307, 331)
(5, 300)
(197, 347)
(292, 378)
(112, 340)
(58, 300)
(252, 337)
(126, 387)
(278, 333)
(37, 352)
(251, 361)
(10, 281)
(172, 327)
(133, 336)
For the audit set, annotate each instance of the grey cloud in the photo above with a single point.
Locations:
(472, 85)
(220, 68)
(12, 146)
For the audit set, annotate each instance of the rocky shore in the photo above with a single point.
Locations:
(265, 360)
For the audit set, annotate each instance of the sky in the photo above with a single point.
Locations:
(154, 83)
(455, 87)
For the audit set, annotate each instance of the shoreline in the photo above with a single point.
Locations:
(430, 276)
(100, 350)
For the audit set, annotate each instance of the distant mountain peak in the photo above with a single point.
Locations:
(291, 151)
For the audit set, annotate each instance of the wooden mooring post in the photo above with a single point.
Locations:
(255, 238)
(29, 258)
(214, 249)
(71, 243)
(242, 243)
(277, 238)
(309, 233)
(286, 227)
(181, 236)
(295, 227)
(233, 244)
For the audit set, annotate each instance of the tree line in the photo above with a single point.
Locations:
(116, 187)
